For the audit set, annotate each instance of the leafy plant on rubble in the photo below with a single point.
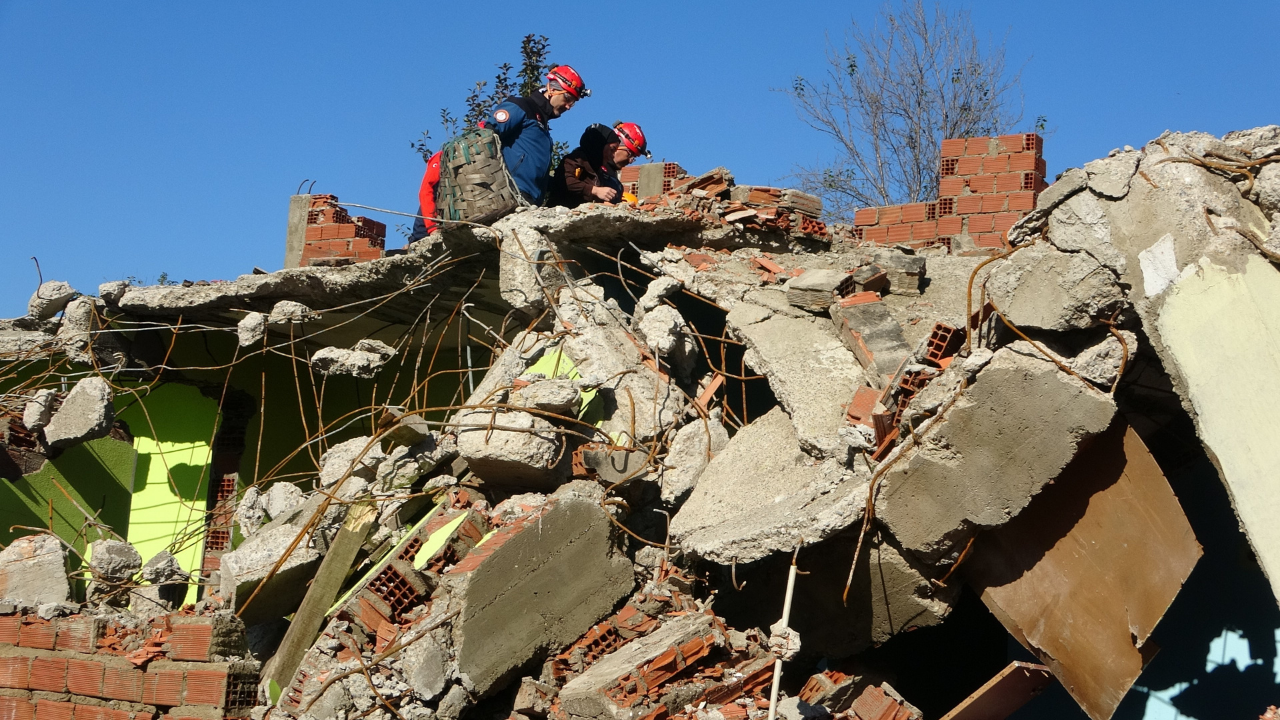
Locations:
(891, 92)
(483, 98)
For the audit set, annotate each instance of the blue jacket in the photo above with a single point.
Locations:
(521, 124)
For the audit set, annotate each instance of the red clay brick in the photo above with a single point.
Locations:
(993, 203)
(47, 710)
(84, 677)
(10, 629)
(990, 240)
(995, 164)
(206, 687)
(1022, 201)
(968, 204)
(891, 215)
(981, 223)
(49, 674)
(865, 216)
(862, 405)
(951, 225)
(162, 687)
(1009, 182)
(968, 166)
(953, 147)
(39, 635)
(1004, 221)
(982, 184)
(190, 641)
(915, 212)
(12, 708)
(948, 186)
(92, 712)
(899, 233)
(977, 146)
(122, 683)
(76, 634)
(15, 672)
(924, 231)
(876, 234)
(946, 206)
(314, 232)
(1022, 162)
(345, 231)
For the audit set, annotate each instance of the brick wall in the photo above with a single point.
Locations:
(630, 177)
(985, 185)
(83, 667)
(333, 236)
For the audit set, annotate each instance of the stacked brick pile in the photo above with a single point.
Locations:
(986, 184)
(335, 238)
(86, 667)
(713, 198)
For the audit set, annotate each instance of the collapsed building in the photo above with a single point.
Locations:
(573, 465)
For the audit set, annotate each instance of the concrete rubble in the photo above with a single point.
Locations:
(583, 489)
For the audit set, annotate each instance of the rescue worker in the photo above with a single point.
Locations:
(522, 126)
(590, 172)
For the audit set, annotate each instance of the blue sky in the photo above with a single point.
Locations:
(140, 138)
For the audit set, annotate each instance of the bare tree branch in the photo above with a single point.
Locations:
(891, 94)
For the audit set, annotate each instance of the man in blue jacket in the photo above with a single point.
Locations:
(521, 124)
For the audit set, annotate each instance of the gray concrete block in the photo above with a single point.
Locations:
(33, 570)
(49, 299)
(86, 414)
(813, 290)
(1006, 436)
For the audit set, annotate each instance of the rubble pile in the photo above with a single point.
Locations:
(653, 431)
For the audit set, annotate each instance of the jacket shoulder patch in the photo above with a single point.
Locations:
(502, 116)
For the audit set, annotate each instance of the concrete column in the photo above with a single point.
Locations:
(296, 233)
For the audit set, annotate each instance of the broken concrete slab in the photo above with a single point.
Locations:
(874, 337)
(560, 396)
(1110, 176)
(561, 566)
(905, 272)
(1044, 288)
(406, 463)
(280, 498)
(814, 289)
(114, 563)
(1070, 182)
(246, 567)
(362, 361)
(525, 349)
(1083, 575)
(86, 414)
(691, 449)
(664, 331)
(33, 570)
(251, 329)
(982, 460)
(49, 299)
(111, 291)
(584, 696)
(289, 311)
(512, 447)
(360, 455)
(38, 410)
(812, 374)
(761, 494)
(1082, 224)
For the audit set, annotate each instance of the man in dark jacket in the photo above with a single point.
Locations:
(522, 126)
(590, 172)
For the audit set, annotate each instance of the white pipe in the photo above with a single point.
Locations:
(786, 622)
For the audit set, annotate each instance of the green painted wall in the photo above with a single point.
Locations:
(173, 427)
(97, 475)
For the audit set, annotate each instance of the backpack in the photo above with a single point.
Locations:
(474, 183)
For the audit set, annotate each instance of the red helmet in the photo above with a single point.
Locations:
(632, 138)
(569, 80)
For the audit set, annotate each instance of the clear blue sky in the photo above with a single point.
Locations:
(140, 138)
